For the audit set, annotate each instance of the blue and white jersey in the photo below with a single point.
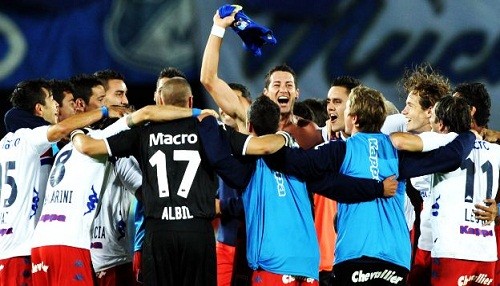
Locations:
(376, 228)
(280, 230)
(22, 170)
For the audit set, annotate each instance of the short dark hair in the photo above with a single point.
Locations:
(58, 88)
(346, 81)
(318, 108)
(301, 109)
(476, 95)
(245, 93)
(171, 72)
(83, 84)
(264, 115)
(28, 93)
(454, 113)
(106, 75)
(283, 68)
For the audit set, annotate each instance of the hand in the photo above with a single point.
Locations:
(217, 207)
(210, 112)
(487, 212)
(117, 111)
(490, 135)
(390, 186)
(227, 21)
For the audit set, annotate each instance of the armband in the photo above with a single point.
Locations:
(74, 133)
(104, 111)
(196, 112)
(218, 31)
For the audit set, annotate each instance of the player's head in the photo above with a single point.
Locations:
(451, 114)
(336, 100)
(89, 92)
(424, 87)
(478, 99)
(166, 74)
(35, 97)
(176, 91)
(281, 87)
(263, 116)
(62, 91)
(365, 110)
(114, 84)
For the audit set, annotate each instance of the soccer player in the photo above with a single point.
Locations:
(22, 182)
(370, 154)
(110, 240)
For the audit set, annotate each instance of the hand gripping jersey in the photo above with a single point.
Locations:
(376, 228)
(456, 232)
(72, 195)
(21, 190)
(280, 227)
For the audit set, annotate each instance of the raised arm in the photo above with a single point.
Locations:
(220, 91)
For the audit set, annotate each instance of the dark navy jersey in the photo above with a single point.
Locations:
(178, 181)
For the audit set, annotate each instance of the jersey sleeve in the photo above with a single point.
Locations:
(129, 172)
(347, 189)
(115, 128)
(432, 140)
(394, 123)
(125, 143)
(309, 164)
(218, 151)
(444, 159)
(38, 138)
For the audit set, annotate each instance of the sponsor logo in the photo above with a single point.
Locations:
(387, 275)
(93, 200)
(39, 267)
(481, 279)
(464, 229)
(34, 206)
(96, 245)
(52, 217)
(5, 231)
(373, 145)
(167, 139)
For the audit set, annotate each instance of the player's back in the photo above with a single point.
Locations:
(180, 184)
(456, 232)
(21, 189)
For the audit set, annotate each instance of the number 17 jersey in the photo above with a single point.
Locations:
(178, 183)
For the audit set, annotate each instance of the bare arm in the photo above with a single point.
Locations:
(162, 113)
(220, 91)
(89, 146)
(407, 141)
(265, 144)
(62, 129)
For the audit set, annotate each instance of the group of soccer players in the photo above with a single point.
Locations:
(333, 212)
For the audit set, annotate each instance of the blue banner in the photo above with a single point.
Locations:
(373, 40)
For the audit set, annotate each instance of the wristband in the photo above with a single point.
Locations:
(196, 112)
(218, 31)
(74, 133)
(104, 111)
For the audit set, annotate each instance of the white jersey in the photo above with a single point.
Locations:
(431, 140)
(112, 236)
(72, 195)
(456, 232)
(21, 190)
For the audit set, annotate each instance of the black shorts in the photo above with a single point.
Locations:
(179, 256)
(369, 271)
